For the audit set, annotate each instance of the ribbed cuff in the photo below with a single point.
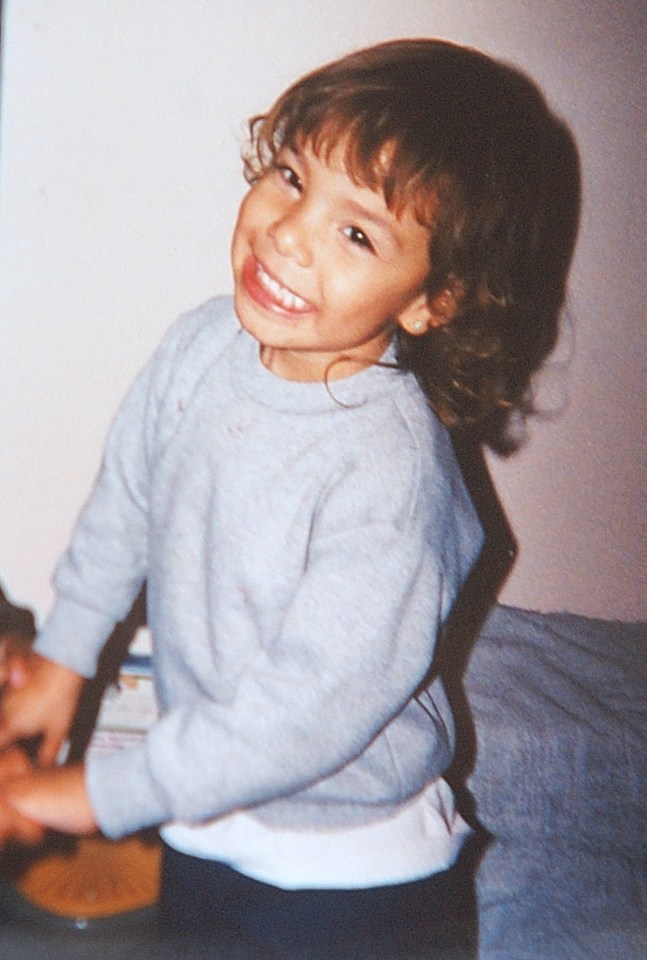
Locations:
(74, 636)
(122, 793)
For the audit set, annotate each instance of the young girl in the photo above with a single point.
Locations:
(282, 477)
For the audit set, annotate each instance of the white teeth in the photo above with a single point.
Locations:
(285, 297)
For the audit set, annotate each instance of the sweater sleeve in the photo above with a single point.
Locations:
(102, 572)
(99, 576)
(355, 643)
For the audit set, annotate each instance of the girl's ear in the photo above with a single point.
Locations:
(423, 314)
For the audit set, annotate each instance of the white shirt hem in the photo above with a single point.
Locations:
(423, 837)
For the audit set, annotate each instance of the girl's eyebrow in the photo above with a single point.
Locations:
(292, 152)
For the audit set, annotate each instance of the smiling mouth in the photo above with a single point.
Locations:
(282, 296)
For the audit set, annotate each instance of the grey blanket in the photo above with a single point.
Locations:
(559, 705)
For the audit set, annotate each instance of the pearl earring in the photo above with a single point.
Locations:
(418, 325)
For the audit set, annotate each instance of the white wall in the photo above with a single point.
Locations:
(121, 126)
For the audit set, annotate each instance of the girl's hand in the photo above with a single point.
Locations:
(39, 699)
(54, 798)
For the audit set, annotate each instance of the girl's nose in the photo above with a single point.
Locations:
(291, 236)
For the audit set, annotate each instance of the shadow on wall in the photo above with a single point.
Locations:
(470, 611)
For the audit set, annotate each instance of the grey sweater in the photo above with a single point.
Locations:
(302, 546)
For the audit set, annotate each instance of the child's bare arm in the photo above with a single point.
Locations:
(55, 798)
(40, 699)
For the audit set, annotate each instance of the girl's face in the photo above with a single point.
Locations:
(323, 270)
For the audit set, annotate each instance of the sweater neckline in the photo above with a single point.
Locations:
(265, 387)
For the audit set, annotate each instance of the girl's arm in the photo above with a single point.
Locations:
(97, 581)
(54, 798)
(101, 574)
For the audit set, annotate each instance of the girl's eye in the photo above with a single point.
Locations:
(359, 238)
(289, 176)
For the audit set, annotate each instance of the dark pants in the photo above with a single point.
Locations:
(210, 910)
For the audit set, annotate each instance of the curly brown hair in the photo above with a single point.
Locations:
(470, 142)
